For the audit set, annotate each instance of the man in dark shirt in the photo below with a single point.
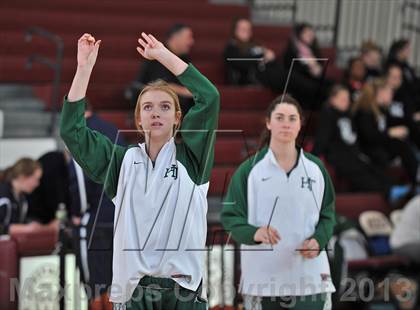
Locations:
(179, 39)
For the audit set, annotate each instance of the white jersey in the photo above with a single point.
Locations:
(300, 206)
(160, 221)
(160, 209)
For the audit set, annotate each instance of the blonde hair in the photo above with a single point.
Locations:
(156, 85)
(24, 166)
(367, 99)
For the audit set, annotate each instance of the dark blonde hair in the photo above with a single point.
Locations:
(23, 167)
(367, 99)
(156, 85)
(282, 99)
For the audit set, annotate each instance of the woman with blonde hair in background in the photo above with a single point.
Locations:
(16, 182)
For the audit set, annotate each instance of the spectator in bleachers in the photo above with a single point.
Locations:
(337, 140)
(16, 182)
(304, 46)
(379, 141)
(354, 77)
(405, 238)
(371, 55)
(399, 54)
(179, 40)
(401, 109)
(394, 78)
(242, 45)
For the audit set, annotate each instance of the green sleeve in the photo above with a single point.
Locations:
(99, 158)
(325, 227)
(199, 125)
(234, 214)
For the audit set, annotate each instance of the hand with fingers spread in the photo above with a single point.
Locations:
(87, 51)
(267, 235)
(150, 48)
(310, 248)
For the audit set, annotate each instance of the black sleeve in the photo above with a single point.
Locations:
(367, 129)
(324, 133)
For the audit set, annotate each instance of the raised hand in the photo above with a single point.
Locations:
(87, 51)
(267, 234)
(310, 248)
(150, 48)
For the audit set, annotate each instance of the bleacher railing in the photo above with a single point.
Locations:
(54, 65)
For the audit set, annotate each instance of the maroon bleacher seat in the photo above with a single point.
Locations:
(352, 205)
(8, 272)
(39, 243)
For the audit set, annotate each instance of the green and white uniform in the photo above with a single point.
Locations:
(299, 205)
(160, 208)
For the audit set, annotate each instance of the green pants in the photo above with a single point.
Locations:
(164, 294)
(309, 302)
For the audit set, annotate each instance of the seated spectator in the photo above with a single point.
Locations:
(241, 45)
(405, 238)
(304, 47)
(399, 54)
(394, 78)
(401, 109)
(371, 55)
(379, 141)
(354, 77)
(179, 40)
(16, 183)
(337, 141)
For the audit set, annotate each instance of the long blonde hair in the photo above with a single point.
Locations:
(156, 85)
(367, 99)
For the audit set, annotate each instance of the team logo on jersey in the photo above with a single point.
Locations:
(307, 182)
(172, 172)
